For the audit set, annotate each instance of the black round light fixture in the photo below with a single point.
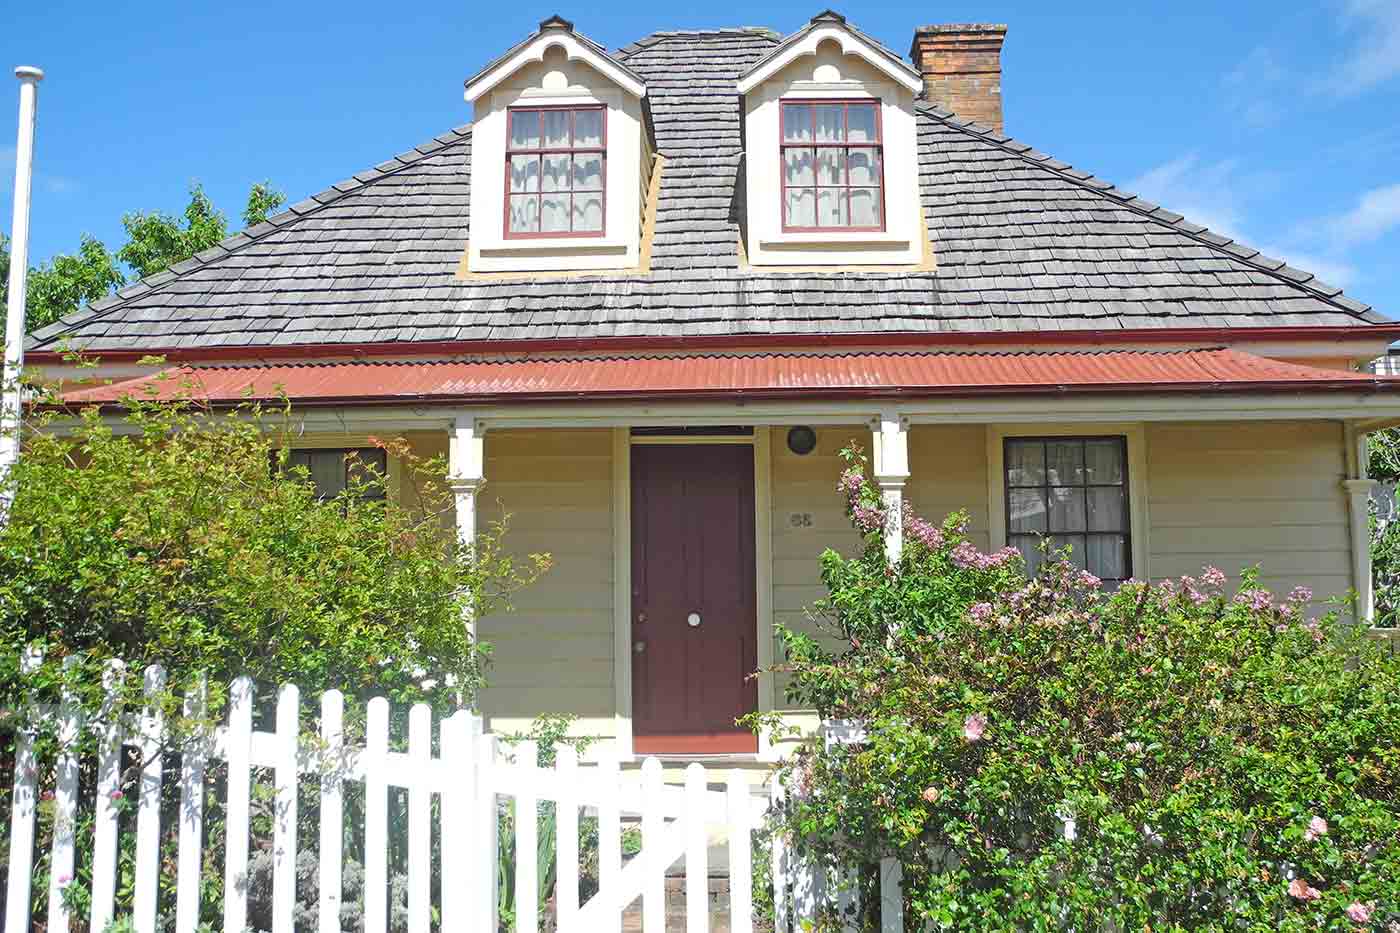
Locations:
(802, 440)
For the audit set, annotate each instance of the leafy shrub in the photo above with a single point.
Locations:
(1047, 755)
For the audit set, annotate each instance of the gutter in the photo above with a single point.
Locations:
(623, 345)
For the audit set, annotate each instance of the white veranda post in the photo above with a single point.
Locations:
(11, 397)
(466, 467)
(890, 444)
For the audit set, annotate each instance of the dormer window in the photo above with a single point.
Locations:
(555, 182)
(832, 166)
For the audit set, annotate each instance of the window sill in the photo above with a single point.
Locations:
(851, 240)
(568, 246)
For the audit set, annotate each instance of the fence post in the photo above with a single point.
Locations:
(284, 827)
(609, 830)
(332, 809)
(458, 840)
(566, 836)
(489, 832)
(527, 843)
(891, 896)
(740, 805)
(697, 855)
(420, 737)
(105, 815)
(22, 818)
(65, 799)
(376, 815)
(653, 829)
(238, 752)
(191, 854)
(149, 743)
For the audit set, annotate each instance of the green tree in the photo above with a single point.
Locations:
(1047, 755)
(263, 199)
(156, 240)
(64, 283)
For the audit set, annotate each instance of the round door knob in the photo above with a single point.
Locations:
(693, 620)
(639, 647)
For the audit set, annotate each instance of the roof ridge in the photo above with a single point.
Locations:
(249, 235)
(1278, 268)
(663, 35)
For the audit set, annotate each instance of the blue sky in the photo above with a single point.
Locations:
(1278, 124)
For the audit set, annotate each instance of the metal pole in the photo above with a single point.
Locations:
(11, 397)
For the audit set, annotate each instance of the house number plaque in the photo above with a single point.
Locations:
(800, 519)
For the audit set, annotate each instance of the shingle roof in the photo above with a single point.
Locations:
(1023, 242)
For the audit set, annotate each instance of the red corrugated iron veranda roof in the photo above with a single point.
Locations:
(719, 376)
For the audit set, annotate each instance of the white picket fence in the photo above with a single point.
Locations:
(470, 774)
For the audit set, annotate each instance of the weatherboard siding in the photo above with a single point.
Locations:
(1239, 494)
(554, 652)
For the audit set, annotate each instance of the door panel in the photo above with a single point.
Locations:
(693, 597)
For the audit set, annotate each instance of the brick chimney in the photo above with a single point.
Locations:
(961, 64)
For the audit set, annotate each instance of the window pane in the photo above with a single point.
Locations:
(1029, 546)
(525, 173)
(831, 166)
(1108, 556)
(831, 122)
(588, 172)
(865, 207)
(1064, 461)
(588, 128)
(328, 472)
(588, 212)
(1078, 552)
(1066, 509)
(556, 173)
(1104, 461)
(865, 166)
(524, 129)
(1025, 510)
(831, 208)
(1025, 463)
(1107, 509)
(801, 207)
(797, 164)
(524, 213)
(860, 123)
(797, 123)
(554, 213)
(556, 128)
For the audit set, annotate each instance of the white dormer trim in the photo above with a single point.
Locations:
(534, 51)
(850, 43)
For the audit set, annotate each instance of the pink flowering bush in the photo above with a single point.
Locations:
(1046, 754)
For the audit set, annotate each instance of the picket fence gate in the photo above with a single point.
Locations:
(470, 774)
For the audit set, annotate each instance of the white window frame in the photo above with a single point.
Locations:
(1135, 438)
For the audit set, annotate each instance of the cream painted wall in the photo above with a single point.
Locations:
(1233, 495)
(808, 517)
(556, 80)
(829, 74)
(948, 471)
(554, 652)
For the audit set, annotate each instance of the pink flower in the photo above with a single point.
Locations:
(46, 795)
(1213, 577)
(1088, 579)
(1317, 826)
(117, 795)
(1302, 890)
(966, 556)
(65, 879)
(1300, 594)
(1359, 912)
(931, 794)
(980, 612)
(974, 727)
(1258, 600)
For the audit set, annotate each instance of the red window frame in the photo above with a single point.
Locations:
(540, 151)
(783, 146)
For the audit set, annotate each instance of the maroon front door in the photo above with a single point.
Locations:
(693, 614)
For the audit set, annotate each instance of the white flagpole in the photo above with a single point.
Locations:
(11, 397)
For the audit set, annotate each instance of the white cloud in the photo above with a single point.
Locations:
(1377, 212)
(43, 181)
(1375, 58)
(1251, 89)
(1217, 195)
